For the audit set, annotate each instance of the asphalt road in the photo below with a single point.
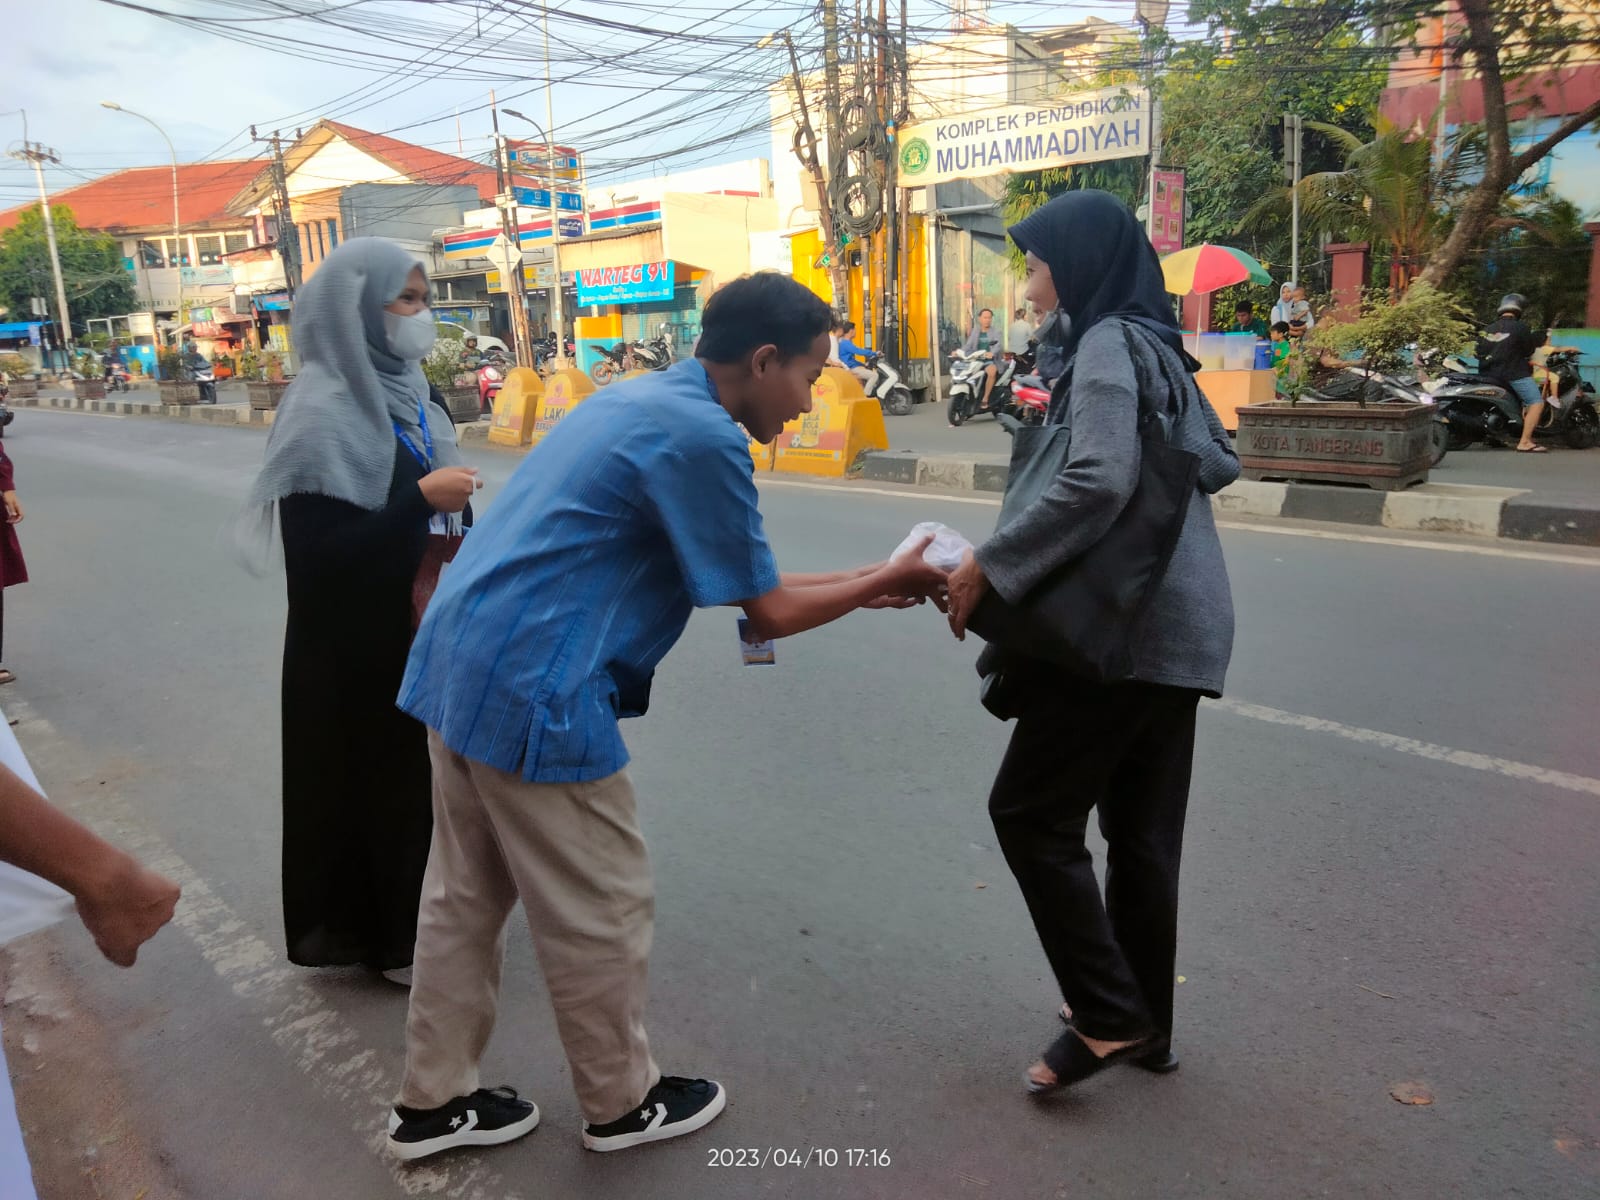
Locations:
(1390, 877)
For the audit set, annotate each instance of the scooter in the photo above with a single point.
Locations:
(544, 353)
(654, 355)
(1032, 400)
(966, 386)
(886, 386)
(6, 415)
(204, 375)
(117, 377)
(1481, 409)
(1357, 385)
(492, 377)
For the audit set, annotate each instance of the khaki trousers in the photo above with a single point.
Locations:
(574, 855)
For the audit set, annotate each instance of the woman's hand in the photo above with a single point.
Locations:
(448, 489)
(13, 508)
(968, 585)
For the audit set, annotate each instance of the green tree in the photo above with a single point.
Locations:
(97, 283)
(1498, 41)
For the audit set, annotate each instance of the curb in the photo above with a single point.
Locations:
(1427, 508)
(216, 414)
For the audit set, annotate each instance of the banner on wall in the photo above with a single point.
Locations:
(1086, 127)
(1166, 231)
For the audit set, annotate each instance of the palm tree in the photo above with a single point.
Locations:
(1390, 193)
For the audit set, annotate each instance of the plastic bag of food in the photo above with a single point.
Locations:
(946, 551)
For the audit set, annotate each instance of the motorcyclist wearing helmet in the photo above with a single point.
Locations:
(1504, 353)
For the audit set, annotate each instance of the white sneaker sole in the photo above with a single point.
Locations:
(661, 1133)
(411, 1151)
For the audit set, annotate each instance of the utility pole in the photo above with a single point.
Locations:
(516, 285)
(1291, 170)
(830, 84)
(557, 300)
(805, 149)
(288, 240)
(33, 152)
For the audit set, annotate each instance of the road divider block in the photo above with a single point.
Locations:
(516, 408)
(841, 426)
(563, 391)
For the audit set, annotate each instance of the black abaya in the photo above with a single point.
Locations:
(357, 807)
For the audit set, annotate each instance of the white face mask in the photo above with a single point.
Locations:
(410, 337)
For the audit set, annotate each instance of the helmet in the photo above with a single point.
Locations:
(1511, 302)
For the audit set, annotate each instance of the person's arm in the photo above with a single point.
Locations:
(121, 903)
(787, 610)
(1083, 501)
(800, 579)
(971, 344)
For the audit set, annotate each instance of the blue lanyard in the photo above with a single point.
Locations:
(425, 455)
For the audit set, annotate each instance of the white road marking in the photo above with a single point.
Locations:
(320, 1043)
(1491, 550)
(1404, 745)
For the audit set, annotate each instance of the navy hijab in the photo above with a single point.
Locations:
(1102, 265)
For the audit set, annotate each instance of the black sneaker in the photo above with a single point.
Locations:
(488, 1117)
(672, 1108)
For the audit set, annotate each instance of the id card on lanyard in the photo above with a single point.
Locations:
(424, 457)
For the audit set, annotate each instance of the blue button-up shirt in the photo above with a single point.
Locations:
(548, 626)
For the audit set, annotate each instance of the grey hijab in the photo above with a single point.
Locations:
(334, 433)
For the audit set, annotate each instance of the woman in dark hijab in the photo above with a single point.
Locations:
(1124, 748)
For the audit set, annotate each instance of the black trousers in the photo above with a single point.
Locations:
(1124, 749)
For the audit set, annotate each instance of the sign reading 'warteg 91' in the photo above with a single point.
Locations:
(626, 285)
(1087, 127)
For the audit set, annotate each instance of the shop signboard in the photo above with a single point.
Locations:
(636, 284)
(273, 302)
(539, 159)
(539, 197)
(142, 324)
(538, 276)
(1086, 127)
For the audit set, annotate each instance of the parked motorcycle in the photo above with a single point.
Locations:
(886, 386)
(654, 355)
(1358, 385)
(492, 377)
(966, 386)
(1482, 409)
(6, 415)
(544, 353)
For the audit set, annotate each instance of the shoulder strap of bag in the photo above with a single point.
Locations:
(1163, 400)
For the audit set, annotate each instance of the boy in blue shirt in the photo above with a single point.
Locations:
(546, 629)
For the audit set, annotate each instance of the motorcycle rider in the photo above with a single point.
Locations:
(1505, 350)
(471, 356)
(194, 363)
(850, 354)
(983, 340)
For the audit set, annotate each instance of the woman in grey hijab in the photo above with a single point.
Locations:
(363, 477)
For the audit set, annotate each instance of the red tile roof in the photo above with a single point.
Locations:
(142, 197)
(418, 163)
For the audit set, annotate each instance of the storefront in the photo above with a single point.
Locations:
(638, 302)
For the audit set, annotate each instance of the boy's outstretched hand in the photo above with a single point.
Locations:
(910, 579)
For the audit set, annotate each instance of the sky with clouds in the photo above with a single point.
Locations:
(636, 101)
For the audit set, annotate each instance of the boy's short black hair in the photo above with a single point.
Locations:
(763, 309)
(1243, 306)
(846, 326)
(1280, 327)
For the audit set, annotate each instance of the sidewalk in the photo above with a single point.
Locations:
(1552, 497)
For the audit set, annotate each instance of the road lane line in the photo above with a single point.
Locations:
(319, 1043)
(1329, 535)
(1405, 745)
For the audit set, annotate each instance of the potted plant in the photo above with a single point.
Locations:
(1386, 446)
(19, 375)
(263, 376)
(442, 367)
(88, 379)
(175, 390)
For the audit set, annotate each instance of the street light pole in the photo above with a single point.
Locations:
(36, 154)
(557, 308)
(177, 236)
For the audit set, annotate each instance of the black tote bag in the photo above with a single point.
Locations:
(1088, 615)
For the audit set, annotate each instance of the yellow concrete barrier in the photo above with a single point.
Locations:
(841, 425)
(515, 408)
(562, 392)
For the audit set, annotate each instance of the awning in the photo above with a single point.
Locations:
(16, 329)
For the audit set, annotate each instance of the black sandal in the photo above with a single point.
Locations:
(1158, 1059)
(1071, 1060)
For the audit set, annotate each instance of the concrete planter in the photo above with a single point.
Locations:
(1383, 446)
(89, 389)
(24, 389)
(178, 391)
(462, 402)
(265, 394)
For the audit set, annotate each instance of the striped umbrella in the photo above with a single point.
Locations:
(1207, 268)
